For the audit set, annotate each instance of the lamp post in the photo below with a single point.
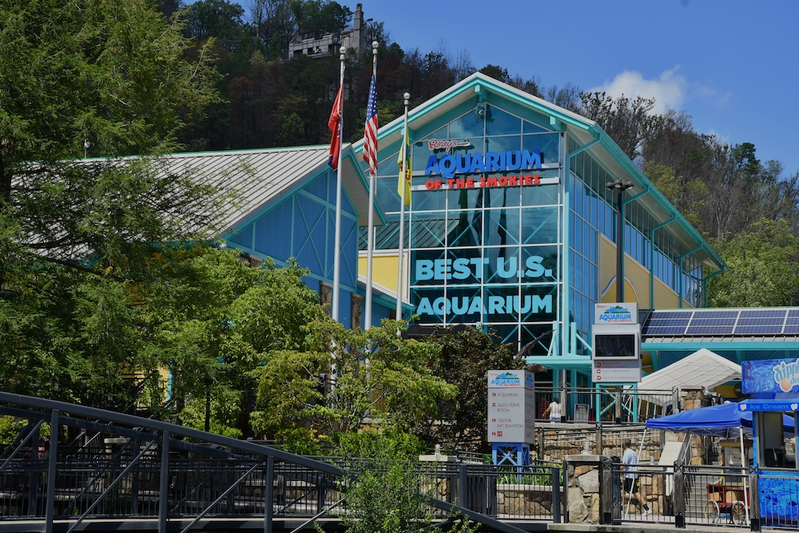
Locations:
(619, 186)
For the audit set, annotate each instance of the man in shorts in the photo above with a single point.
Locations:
(629, 461)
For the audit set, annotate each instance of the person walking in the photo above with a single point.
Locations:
(629, 464)
(553, 410)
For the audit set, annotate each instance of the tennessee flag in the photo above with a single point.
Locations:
(406, 182)
(334, 125)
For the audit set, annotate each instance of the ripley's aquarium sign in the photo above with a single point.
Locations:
(450, 164)
(769, 377)
(512, 166)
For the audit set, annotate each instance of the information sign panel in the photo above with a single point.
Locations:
(616, 371)
(511, 406)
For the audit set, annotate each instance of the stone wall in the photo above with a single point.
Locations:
(583, 488)
(524, 500)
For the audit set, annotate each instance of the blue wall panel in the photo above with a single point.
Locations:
(379, 312)
(349, 256)
(273, 231)
(244, 237)
(318, 187)
(302, 226)
(307, 245)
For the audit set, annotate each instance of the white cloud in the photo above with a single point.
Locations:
(723, 139)
(668, 91)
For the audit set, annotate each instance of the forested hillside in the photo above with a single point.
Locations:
(745, 207)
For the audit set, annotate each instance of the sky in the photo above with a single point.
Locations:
(732, 65)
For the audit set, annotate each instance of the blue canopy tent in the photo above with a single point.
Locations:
(724, 421)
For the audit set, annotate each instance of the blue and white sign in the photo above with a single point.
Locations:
(616, 313)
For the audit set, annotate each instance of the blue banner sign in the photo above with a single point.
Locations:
(769, 377)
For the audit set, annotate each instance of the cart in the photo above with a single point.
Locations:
(730, 500)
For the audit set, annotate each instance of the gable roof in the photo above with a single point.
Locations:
(480, 88)
(702, 368)
(259, 177)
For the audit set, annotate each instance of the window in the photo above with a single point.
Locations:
(356, 311)
(325, 293)
(775, 449)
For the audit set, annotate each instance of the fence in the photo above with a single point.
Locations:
(616, 404)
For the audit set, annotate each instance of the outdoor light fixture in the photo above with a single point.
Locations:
(620, 186)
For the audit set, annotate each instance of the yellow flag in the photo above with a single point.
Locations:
(408, 171)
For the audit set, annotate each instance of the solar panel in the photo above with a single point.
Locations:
(763, 313)
(759, 330)
(666, 323)
(720, 322)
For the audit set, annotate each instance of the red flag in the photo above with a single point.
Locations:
(334, 124)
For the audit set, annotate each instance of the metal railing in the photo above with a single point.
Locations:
(608, 405)
(116, 466)
(122, 469)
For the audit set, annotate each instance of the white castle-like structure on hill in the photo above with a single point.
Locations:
(329, 43)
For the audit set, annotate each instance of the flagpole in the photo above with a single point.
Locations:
(337, 245)
(404, 148)
(370, 246)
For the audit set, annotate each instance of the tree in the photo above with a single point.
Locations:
(385, 492)
(87, 77)
(466, 357)
(80, 240)
(219, 19)
(688, 196)
(763, 268)
(315, 18)
(212, 324)
(567, 97)
(343, 378)
(626, 121)
(496, 72)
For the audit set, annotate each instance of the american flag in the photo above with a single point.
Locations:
(370, 130)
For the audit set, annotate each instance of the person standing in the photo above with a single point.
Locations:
(553, 410)
(629, 464)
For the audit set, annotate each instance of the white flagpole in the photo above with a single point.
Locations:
(402, 210)
(370, 247)
(337, 245)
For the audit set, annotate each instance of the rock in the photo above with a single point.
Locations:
(578, 511)
(589, 482)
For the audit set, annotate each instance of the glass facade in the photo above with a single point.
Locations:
(486, 245)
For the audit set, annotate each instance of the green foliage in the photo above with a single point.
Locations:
(386, 491)
(687, 195)
(377, 376)
(466, 357)
(763, 268)
(9, 429)
(219, 19)
(372, 444)
(86, 70)
(315, 18)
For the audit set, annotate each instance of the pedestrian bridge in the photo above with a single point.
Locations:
(115, 472)
(112, 471)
